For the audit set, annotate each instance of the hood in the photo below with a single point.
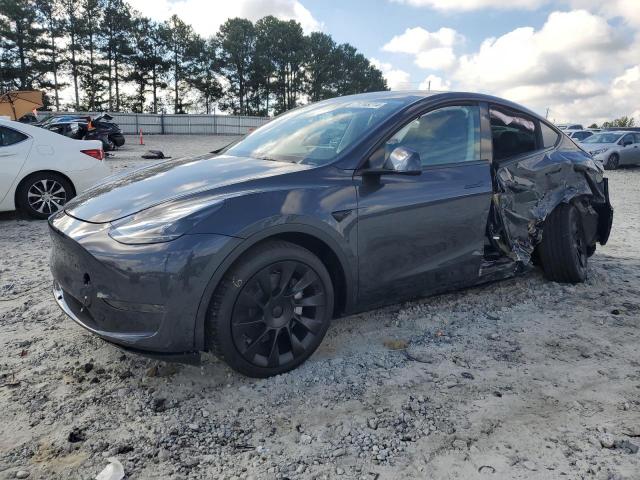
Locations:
(159, 183)
(592, 147)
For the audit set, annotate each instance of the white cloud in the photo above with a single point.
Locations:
(579, 63)
(396, 79)
(206, 16)
(415, 40)
(432, 50)
(570, 45)
(628, 10)
(567, 66)
(468, 5)
(433, 82)
(436, 59)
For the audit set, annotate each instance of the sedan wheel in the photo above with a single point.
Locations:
(613, 162)
(44, 194)
(276, 318)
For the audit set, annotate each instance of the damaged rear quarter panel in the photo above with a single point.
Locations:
(529, 188)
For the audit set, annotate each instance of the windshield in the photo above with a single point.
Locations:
(603, 138)
(318, 133)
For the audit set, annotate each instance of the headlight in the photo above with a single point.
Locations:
(164, 222)
(599, 151)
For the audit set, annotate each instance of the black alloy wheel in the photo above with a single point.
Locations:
(276, 318)
(278, 314)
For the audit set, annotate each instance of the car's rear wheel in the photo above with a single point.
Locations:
(43, 194)
(271, 310)
(563, 250)
(613, 162)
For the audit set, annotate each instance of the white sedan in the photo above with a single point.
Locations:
(41, 170)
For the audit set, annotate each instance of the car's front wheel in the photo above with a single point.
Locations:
(613, 162)
(564, 250)
(43, 194)
(271, 310)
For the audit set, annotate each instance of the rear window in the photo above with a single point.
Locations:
(9, 136)
(549, 135)
(512, 133)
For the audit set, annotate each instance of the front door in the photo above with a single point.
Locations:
(422, 234)
(629, 150)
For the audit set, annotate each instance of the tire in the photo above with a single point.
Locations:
(43, 194)
(563, 250)
(271, 310)
(613, 162)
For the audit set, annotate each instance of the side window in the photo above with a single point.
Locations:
(442, 136)
(637, 137)
(9, 136)
(512, 133)
(550, 137)
(627, 138)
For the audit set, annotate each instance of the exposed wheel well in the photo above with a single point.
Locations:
(32, 174)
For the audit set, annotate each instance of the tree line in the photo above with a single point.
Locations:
(113, 58)
(624, 121)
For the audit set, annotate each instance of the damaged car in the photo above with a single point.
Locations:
(331, 208)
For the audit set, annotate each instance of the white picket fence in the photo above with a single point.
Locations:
(177, 124)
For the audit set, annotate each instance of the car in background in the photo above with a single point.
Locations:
(329, 209)
(85, 127)
(40, 171)
(579, 135)
(570, 126)
(614, 149)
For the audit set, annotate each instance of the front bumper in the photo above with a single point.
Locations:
(144, 297)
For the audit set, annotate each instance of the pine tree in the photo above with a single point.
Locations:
(237, 38)
(50, 15)
(22, 38)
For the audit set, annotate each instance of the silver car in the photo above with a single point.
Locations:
(614, 149)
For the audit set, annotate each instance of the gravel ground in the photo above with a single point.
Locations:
(519, 379)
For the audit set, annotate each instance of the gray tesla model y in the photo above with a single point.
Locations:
(331, 208)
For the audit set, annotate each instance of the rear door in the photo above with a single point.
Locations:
(422, 234)
(14, 150)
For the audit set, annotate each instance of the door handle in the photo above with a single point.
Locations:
(474, 185)
(6, 154)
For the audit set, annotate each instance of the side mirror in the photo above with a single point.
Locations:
(627, 143)
(401, 161)
(404, 161)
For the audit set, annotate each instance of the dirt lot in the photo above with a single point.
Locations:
(520, 379)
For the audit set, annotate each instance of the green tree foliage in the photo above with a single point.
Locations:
(182, 46)
(114, 58)
(21, 41)
(51, 17)
(237, 40)
(620, 122)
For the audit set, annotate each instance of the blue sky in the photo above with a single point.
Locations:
(578, 58)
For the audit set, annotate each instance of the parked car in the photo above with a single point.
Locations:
(332, 208)
(40, 171)
(570, 126)
(87, 128)
(614, 149)
(579, 135)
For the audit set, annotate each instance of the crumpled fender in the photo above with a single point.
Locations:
(529, 189)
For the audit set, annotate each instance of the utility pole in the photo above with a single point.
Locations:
(546, 115)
